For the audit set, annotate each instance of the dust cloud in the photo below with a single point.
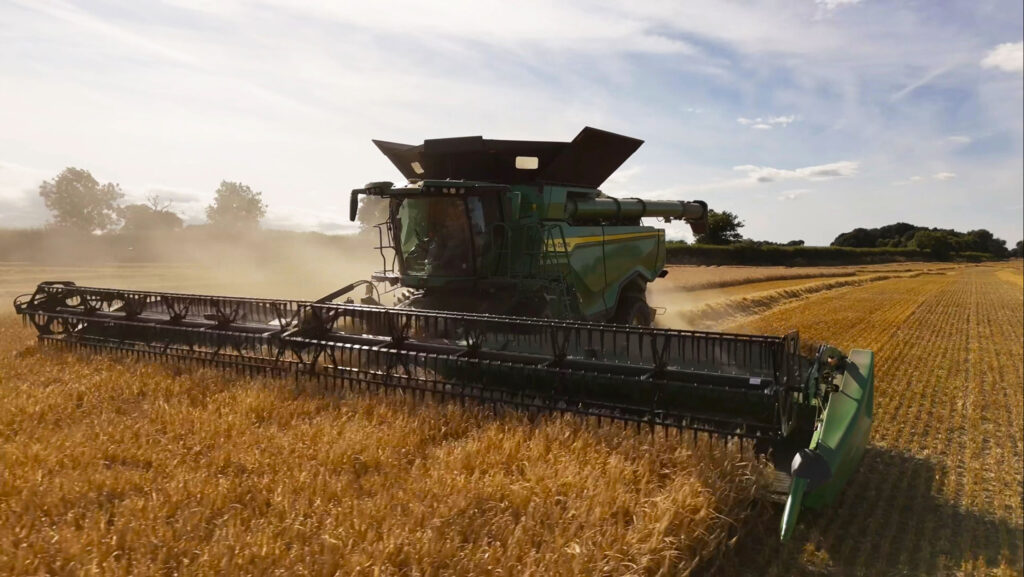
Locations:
(676, 307)
(261, 263)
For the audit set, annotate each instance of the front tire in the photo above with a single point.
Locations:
(633, 311)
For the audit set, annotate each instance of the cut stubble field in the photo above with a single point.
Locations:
(940, 489)
(148, 469)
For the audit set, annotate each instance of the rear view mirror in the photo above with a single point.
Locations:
(353, 204)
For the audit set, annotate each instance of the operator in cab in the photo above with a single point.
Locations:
(449, 250)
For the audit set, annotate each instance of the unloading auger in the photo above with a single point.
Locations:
(529, 293)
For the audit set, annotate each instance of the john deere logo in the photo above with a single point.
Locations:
(557, 245)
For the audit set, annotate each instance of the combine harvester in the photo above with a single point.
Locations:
(519, 283)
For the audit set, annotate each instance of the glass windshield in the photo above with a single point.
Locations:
(441, 236)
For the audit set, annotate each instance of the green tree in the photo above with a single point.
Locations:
(723, 228)
(153, 216)
(896, 235)
(235, 205)
(982, 240)
(79, 202)
(373, 210)
(936, 242)
(1017, 251)
(857, 238)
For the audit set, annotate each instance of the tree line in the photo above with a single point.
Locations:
(724, 229)
(941, 242)
(77, 201)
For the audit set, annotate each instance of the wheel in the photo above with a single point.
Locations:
(633, 311)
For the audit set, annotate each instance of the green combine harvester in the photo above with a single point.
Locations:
(518, 283)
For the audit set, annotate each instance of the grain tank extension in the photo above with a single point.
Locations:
(520, 285)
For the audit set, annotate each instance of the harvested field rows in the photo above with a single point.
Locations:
(941, 488)
(694, 298)
(709, 308)
(694, 278)
(1012, 275)
(134, 468)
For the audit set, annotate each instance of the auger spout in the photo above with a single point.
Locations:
(606, 208)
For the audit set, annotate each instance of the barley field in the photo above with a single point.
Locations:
(125, 468)
(116, 468)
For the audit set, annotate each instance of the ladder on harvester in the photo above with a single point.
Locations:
(555, 257)
(545, 259)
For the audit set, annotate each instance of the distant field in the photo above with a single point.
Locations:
(134, 466)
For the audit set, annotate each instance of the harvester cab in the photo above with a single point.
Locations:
(521, 228)
(515, 260)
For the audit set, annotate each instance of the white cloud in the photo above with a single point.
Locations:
(81, 19)
(839, 169)
(285, 95)
(918, 178)
(959, 139)
(171, 194)
(20, 204)
(1008, 56)
(759, 175)
(833, 4)
(492, 22)
(794, 194)
(17, 181)
(332, 220)
(767, 123)
(622, 177)
(924, 80)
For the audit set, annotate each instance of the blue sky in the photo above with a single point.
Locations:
(806, 118)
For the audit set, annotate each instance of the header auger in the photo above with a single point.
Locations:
(523, 286)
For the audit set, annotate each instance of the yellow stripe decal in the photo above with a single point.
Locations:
(572, 242)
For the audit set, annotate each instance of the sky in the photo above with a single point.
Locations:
(806, 118)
